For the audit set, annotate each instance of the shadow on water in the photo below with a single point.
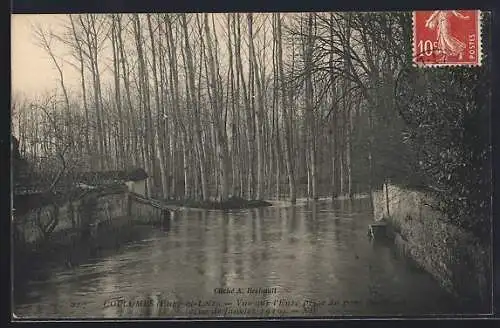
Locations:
(35, 268)
(315, 250)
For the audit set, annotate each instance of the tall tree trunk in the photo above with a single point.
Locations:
(334, 112)
(195, 105)
(132, 122)
(97, 104)
(145, 102)
(276, 129)
(219, 119)
(347, 109)
(174, 90)
(246, 100)
(257, 112)
(78, 44)
(98, 94)
(287, 117)
(234, 115)
(309, 98)
(158, 142)
(116, 71)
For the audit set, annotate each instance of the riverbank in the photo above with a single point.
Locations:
(71, 247)
(231, 203)
(357, 277)
(455, 258)
(74, 231)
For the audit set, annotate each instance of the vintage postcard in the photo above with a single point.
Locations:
(251, 165)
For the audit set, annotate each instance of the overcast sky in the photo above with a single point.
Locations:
(34, 73)
(32, 70)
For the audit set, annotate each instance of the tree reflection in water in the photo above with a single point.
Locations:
(317, 250)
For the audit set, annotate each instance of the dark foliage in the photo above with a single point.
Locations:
(447, 112)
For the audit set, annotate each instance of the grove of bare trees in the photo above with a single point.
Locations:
(254, 105)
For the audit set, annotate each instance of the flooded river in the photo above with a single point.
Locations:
(311, 259)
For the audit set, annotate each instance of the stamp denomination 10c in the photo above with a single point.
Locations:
(447, 38)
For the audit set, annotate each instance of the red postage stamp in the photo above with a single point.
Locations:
(446, 38)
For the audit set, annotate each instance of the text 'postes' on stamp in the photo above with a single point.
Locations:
(447, 38)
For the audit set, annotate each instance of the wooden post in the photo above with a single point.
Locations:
(387, 197)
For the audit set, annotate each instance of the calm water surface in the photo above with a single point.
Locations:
(315, 255)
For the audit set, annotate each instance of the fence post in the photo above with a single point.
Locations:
(387, 197)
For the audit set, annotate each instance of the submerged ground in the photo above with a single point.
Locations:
(231, 203)
(310, 259)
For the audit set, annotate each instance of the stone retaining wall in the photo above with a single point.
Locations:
(454, 257)
(90, 214)
(71, 216)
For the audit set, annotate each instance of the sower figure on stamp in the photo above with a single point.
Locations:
(447, 44)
